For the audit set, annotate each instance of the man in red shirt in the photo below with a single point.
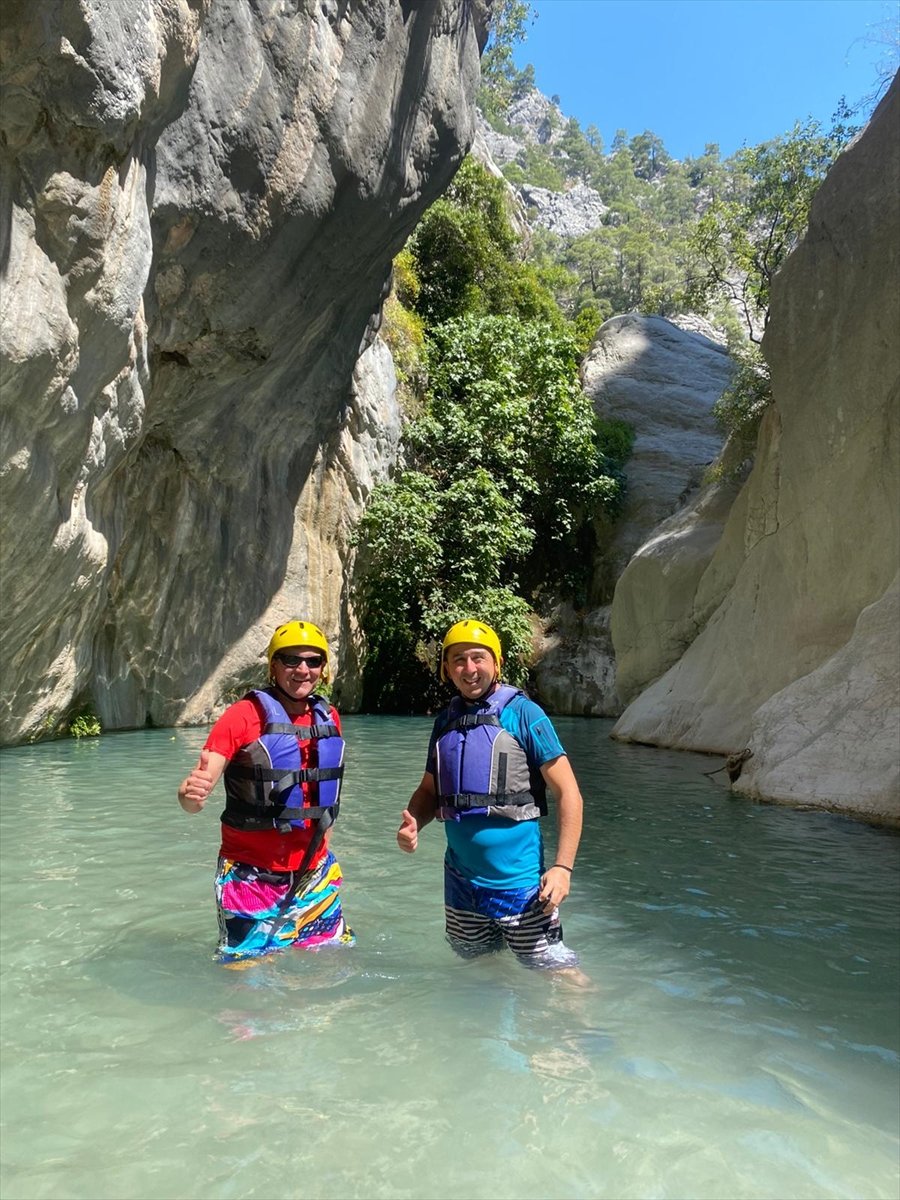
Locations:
(281, 752)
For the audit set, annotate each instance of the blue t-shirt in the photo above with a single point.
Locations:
(496, 852)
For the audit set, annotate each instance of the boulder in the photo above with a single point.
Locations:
(575, 670)
(669, 588)
(819, 738)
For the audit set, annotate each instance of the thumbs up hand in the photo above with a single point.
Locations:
(195, 789)
(408, 833)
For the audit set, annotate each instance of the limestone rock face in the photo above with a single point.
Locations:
(200, 203)
(537, 119)
(822, 735)
(318, 572)
(663, 381)
(501, 148)
(667, 592)
(568, 214)
(575, 668)
(798, 661)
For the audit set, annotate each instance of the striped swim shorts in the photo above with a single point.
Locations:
(252, 922)
(482, 920)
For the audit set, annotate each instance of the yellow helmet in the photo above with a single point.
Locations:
(298, 633)
(475, 632)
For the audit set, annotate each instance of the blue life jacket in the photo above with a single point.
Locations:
(480, 768)
(263, 781)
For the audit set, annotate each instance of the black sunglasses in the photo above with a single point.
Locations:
(313, 661)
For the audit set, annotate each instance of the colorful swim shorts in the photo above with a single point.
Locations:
(251, 920)
(481, 920)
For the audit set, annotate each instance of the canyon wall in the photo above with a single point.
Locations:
(796, 656)
(200, 203)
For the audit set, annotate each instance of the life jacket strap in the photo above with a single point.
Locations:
(466, 800)
(285, 779)
(303, 732)
(277, 816)
(471, 721)
(317, 774)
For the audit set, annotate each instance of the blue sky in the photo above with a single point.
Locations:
(698, 71)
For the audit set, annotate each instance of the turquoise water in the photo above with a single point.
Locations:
(740, 1038)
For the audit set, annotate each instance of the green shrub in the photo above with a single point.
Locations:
(85, 724)
(739, 410)
(404, 332)
(514, 173)
(587, 323)
(540, 168)
(405, 282)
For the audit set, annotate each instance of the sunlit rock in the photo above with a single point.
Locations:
(663, 381)
(807, 633)
(201, 202)
(568, 214)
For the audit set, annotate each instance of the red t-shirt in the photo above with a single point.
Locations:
(238, 726)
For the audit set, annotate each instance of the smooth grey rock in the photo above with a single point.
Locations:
(815, 532)
(834, 734)
(669, 589)
(663, 381)
(319, 570)
(575, 668)
(200, 204)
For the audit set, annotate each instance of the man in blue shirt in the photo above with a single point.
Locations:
(492, 755)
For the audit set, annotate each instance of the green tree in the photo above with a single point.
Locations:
(462, 244)
(673, 202)
(506, 469)
(582, 158)
(629, 266)
(739, 410)
(466, 259)
(500, 81)
(595, 138)
(540, 168)
(523, 83)
(706, 170)
(587, 322)
(648, 155)
(617, 183)
(743, 239)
